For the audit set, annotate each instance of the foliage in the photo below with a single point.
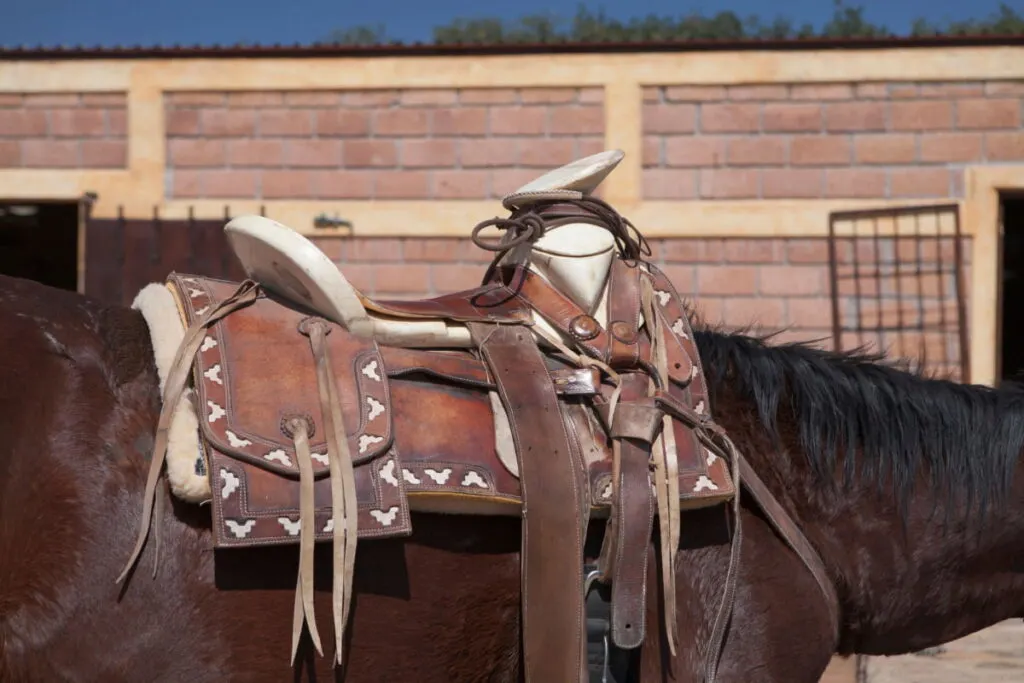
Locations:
(589, 26)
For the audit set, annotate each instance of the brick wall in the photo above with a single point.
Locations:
(63, 130)
(834, 140)
(380, 144)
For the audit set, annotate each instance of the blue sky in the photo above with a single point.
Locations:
(164, 22)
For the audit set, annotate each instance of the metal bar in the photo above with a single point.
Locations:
(837, 331)
(961, 300)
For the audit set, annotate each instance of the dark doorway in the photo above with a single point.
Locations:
(39, 241)
(1011, 340)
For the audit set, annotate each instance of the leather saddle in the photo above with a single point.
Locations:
(325, 416)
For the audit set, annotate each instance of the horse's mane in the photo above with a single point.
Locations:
(968, 438)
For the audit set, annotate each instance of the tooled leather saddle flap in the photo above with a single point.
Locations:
(254, 370)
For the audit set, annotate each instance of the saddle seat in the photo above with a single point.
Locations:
(568, 384)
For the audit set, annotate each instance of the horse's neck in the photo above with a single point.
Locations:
(576, 259)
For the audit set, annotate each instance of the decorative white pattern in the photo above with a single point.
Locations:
(694, 371)
(473, 479)
(679, 328)
(663, 297)
(240, 530)
(700, 407)
(320, 458)
(366, 440)
(213, 374)
(387, 472)
(208, 343)
(370, 370)
(710, 459)
(704, 483)
(329, 527)
(231, 483)
(280, 456)
(376, 407)
(291, 527)
(204, 309)
(385, 518)
(607, 492)
(193, 293)
(439, 477)
(410, 477)
(216, 412)
(235, 441)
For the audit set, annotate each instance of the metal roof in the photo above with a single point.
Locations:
(428, 49)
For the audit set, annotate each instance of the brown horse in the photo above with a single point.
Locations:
(905, 485)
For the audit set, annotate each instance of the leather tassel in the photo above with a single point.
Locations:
(304, 610)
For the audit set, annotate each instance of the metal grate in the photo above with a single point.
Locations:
(897, 286)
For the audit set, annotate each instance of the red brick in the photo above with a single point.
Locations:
(792, 183)
(50, 153)
(104, 99)
(687, 151)
(256, 152)
(342, 122)
(951, 147)
(196, 152)
(405, 278)
(727, 183)
(819, 150)
(369, 153)
(343, 184)
(117, 123)
(729, 118)
(855, 116)
(549, 95)
(182, 122)
(260, 99)
(1005, 146)
(886, 148)
(429, 97)
(812, 312)
(104, 153)
(660, 183)
(432, 249)
(362, 275)
(653, 145)
(457, 184)
(1004, 88)
(921, 115)
(757, 151)
(313, 153)
(807, 250)
(591, 96)
(546, 152)
(587, 146)
(758, 92)
(726, 281)
(488, 96)
(228, 122)
(690, 250)
(489, 152)
(669, 118)
(777, 280)
(401, 122)
(695, 93)
(459, 121)
(821, 91)
(518, 120)
(454, 277)
(330, 246)
(507, 180)
(196, 99)
(289, 184)
(576, 120)
(855, 182)
(903, 91)
(313, 98)
(186, 183)
(952, 89)
(871, 91)
(285, 122)
(402, 185)
(10, 154)
(230, 183)
(428, 153)
(919, 182)
(370, 98)
(753, 250)
(52, 100)
(792, 117)
(988, 113)
(8, 99)
(753, 312)
(20, 123)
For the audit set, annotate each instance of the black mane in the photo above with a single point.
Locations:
(967, 437)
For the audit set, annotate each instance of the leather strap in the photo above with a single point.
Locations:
(552, 507)
(304, 611)
(623, 314)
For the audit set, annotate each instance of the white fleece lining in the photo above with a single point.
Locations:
(167, 331)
